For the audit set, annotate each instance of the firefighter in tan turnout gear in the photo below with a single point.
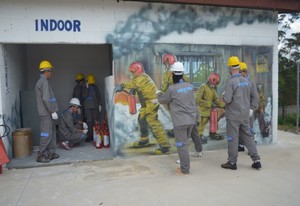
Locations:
(148, 117)
(206, 98)
(47, 107)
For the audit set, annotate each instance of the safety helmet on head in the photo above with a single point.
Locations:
(79, 77)
(45, 65)
(91, 79)
(243, 66)
(234, 62)
(169, 58)
(136, 68)
(75, 102)
(214, 79)
(177, 68)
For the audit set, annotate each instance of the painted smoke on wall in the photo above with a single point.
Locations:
(133, 38)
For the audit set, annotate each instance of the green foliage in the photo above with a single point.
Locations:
(288, 120)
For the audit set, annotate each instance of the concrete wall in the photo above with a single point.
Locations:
(13, 79)
(131, 26)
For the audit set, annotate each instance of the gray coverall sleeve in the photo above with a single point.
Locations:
(164, 98)
(68, 119)
(227, 97)
(46, 96)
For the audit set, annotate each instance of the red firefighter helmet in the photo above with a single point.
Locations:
(214, 79)
(169, 58)
(136, 68)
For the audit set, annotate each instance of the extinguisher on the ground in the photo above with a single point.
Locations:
(105, 133)
(213, 128)
(131, 101)
(97, 136)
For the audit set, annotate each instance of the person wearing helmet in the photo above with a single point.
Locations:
(47, 109)
(148, 117)
(77, 93)
(180, 97)
(238, 97)
(207, 98)
(167, 79)
(92, 104)
(244, 72)
(68, 133)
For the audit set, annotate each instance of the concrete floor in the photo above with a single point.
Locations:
(151, 180)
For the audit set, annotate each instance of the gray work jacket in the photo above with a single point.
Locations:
(45, 99)
(182, 103)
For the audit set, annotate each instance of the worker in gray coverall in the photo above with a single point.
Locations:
(68, 132)
(238, 97)
(180, 97)
(47, 108)
(92, 105)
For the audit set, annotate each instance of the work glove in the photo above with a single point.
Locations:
(251, 113)
(87, 85)
(154, 101)
(119, 88)
(54, 115)
(84, 125)
(85, 131)
(100, 108)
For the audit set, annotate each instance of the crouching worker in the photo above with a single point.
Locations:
(68, 131)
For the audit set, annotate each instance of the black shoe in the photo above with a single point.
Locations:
(43, 159)
(241, 148)
(53, 156)
(228, 165)
(256, 165)
(170, 133)
(203, 140)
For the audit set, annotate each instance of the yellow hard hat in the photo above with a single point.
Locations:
(243, 66)
(91, 79)
(79, 77)
(234, 62)
(44, 65)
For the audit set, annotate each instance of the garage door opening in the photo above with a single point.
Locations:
(21, 65)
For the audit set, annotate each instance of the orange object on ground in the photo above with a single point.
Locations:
(213, 120)
(3, 156)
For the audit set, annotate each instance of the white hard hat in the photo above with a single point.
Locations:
(75, 101)
(177, 68)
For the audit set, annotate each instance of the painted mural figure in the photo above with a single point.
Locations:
(259, 113)
(92, 105)
(207, 98)
(180, 97)
(238, 99)
(69, 131)
(47, 107)
(148, 113)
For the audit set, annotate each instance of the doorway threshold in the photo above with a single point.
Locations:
(83, 153)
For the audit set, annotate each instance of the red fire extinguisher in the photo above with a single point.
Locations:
(213, 128)
(131, 101)
(105, 133)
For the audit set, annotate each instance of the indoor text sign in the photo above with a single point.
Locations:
(57, 25)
